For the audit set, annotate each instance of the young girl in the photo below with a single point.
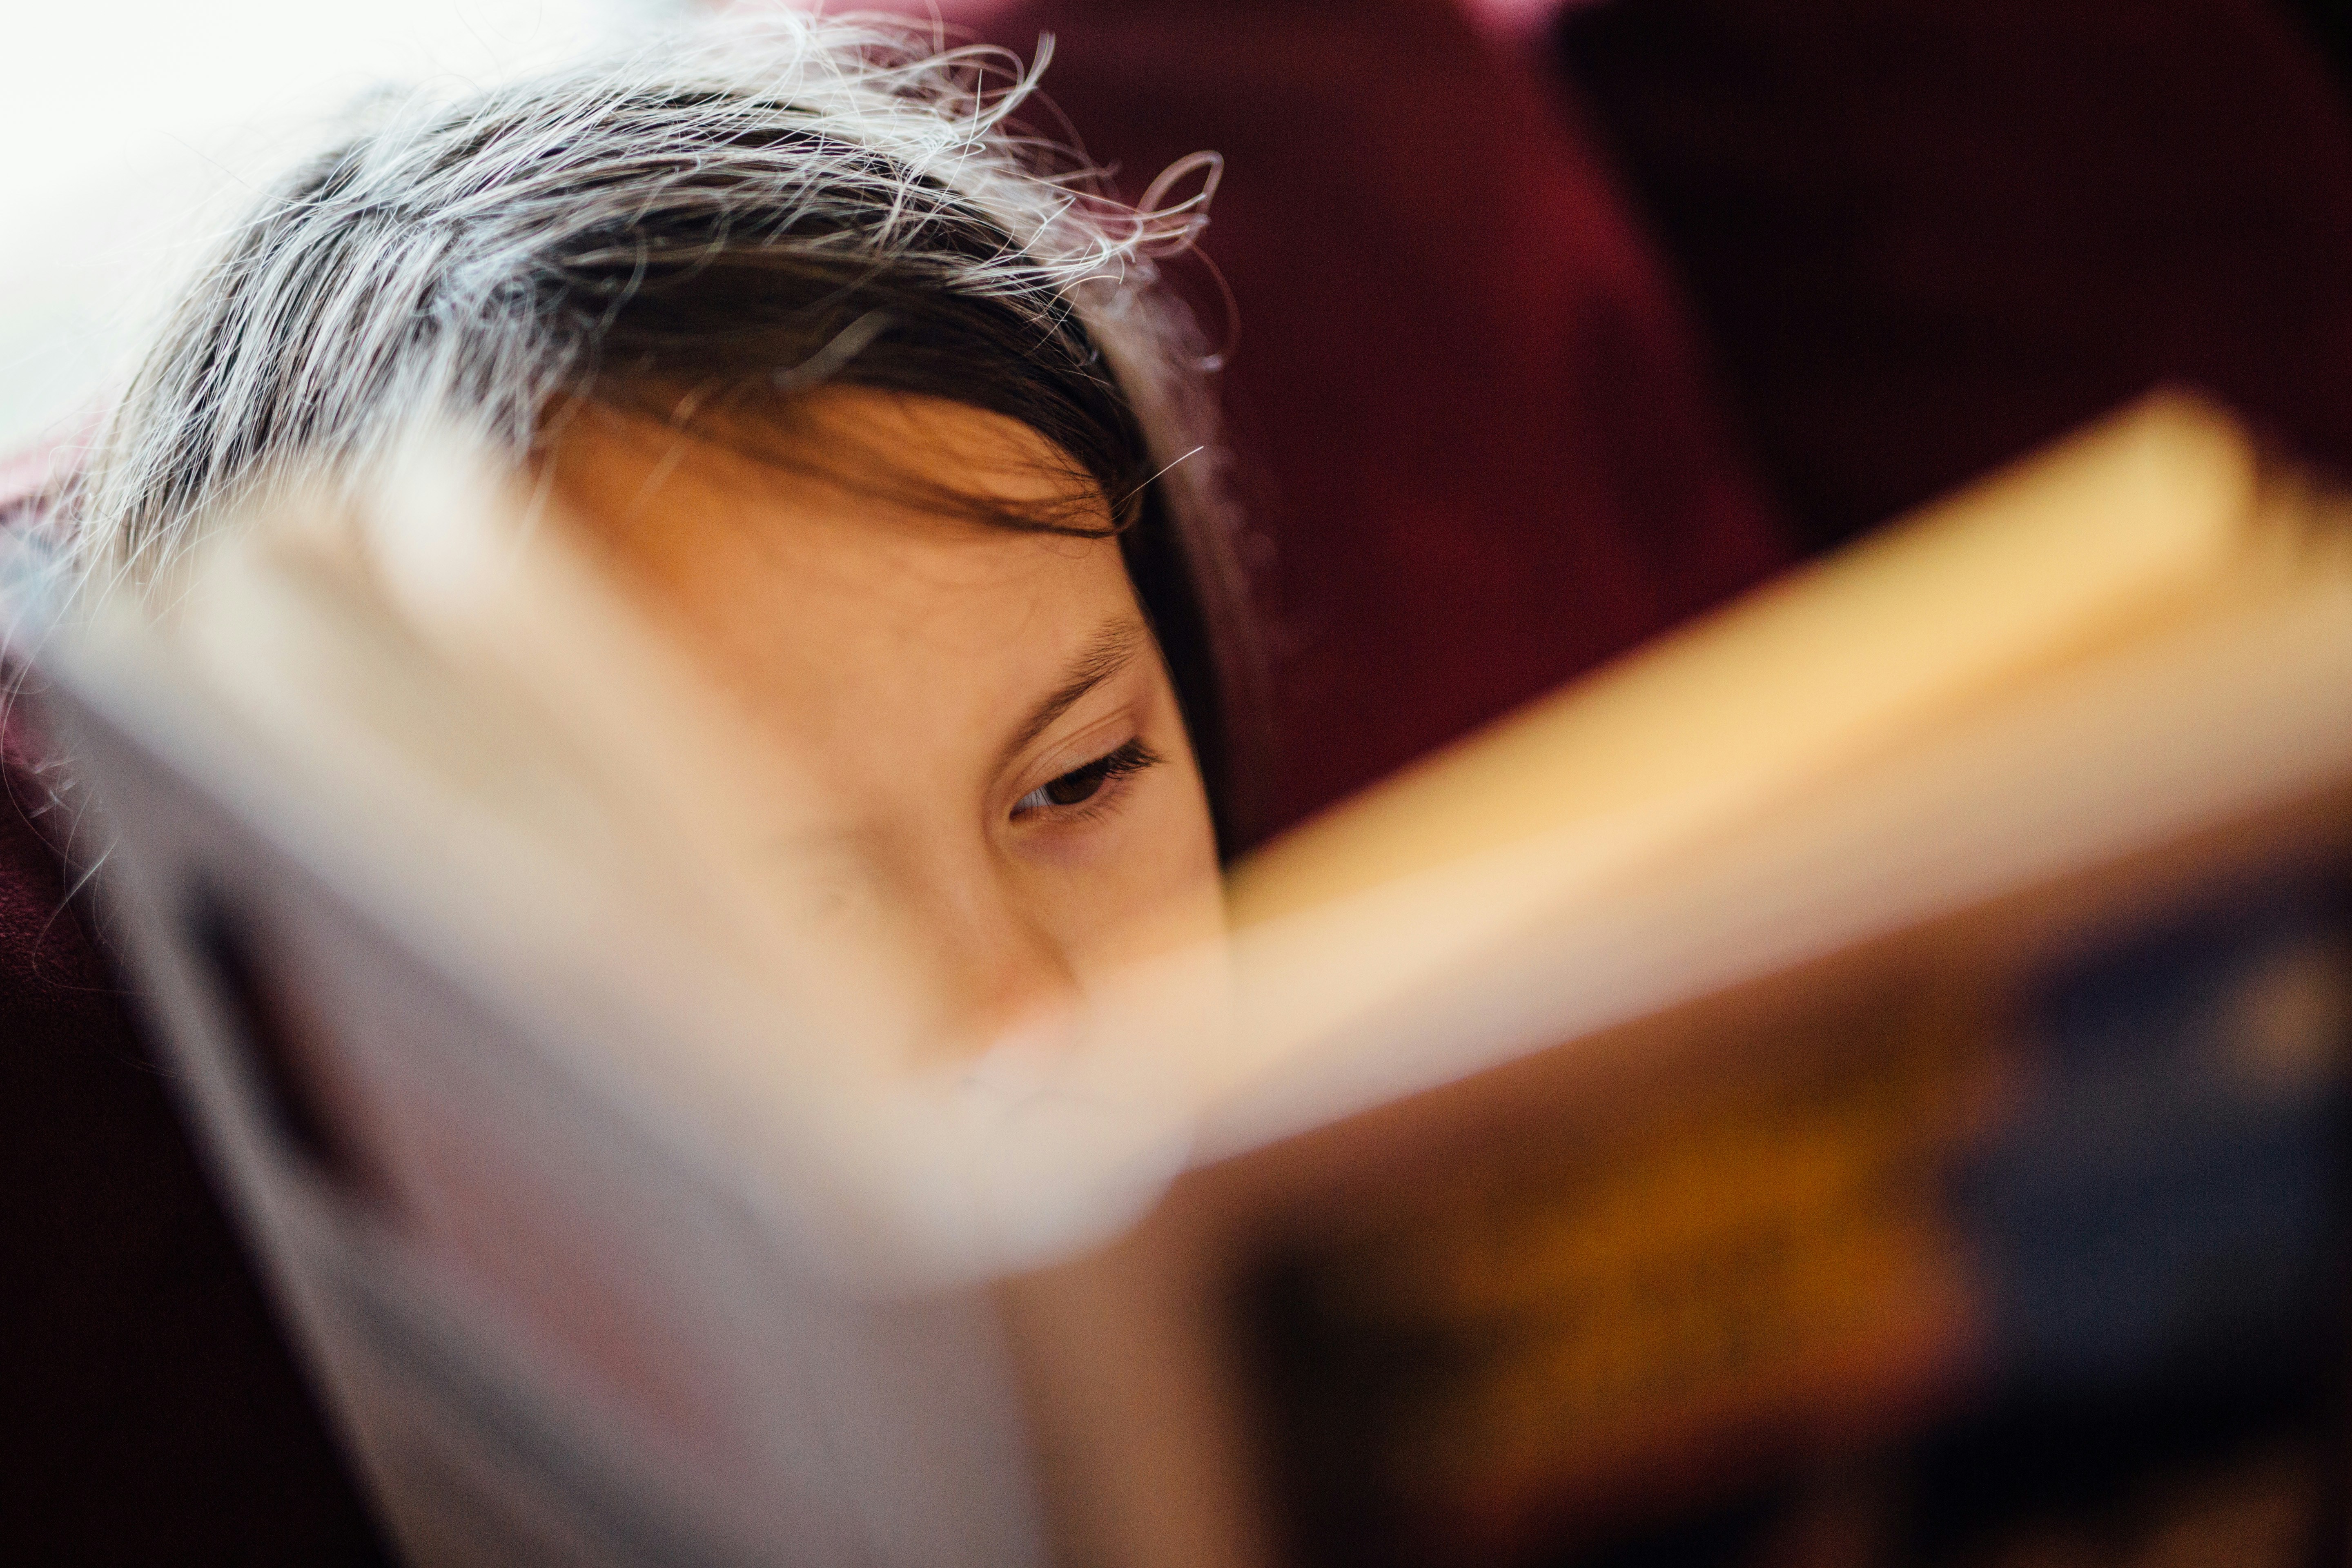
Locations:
(866, 394)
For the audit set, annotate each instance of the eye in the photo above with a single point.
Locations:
(1083, 784)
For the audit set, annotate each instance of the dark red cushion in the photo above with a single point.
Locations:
(1481, 441)
(154, 1413)
(1927, 235)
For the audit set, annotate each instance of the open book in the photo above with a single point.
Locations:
(1861, 1081)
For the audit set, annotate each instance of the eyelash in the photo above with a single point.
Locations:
(1094, 777)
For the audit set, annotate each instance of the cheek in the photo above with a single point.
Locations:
(1144, 884)
(1179, 895)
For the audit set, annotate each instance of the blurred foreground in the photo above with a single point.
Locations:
(1859, 1082)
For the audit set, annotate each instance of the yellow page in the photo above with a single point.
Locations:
(2241, 704)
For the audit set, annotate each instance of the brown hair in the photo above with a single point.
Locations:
(692, 236)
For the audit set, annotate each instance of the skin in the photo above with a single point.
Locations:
(984, 711)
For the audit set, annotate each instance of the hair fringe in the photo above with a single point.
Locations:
(199, 431)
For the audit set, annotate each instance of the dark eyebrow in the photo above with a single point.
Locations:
(1113, 648)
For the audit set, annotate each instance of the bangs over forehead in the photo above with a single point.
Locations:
(717, 255)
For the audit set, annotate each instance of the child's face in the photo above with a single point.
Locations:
(984, 708)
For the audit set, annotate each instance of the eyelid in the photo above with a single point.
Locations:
(1130, 757)
(1081, 745)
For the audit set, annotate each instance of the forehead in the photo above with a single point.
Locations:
(831, 566)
